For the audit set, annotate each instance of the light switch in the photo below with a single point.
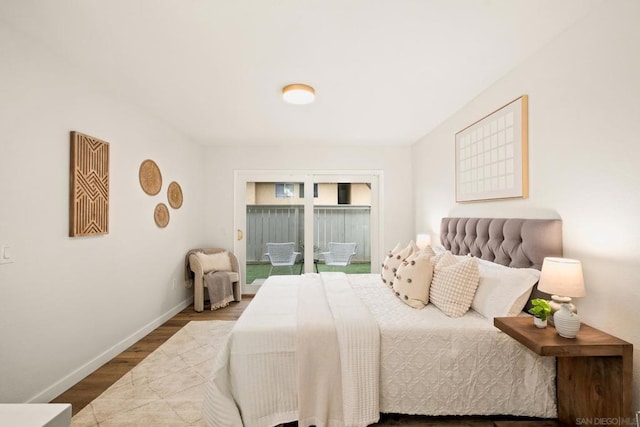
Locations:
(6, 254)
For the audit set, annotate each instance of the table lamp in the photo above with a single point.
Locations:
(562, 277)
(423, 240)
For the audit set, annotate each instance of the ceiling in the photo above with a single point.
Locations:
(385, 72)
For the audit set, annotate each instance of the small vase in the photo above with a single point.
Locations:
(567, 323)
(539, 322)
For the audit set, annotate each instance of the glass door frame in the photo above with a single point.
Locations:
(308, 178)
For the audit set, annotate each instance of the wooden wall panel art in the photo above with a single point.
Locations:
(89, 192)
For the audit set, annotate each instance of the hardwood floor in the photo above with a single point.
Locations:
(94, 384)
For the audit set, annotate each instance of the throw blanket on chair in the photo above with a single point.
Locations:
(220, 289)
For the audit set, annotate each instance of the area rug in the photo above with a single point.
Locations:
(167, 387)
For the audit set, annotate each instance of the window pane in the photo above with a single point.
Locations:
(274, 233)
(344, 194)
(284, 191)
(342, 229)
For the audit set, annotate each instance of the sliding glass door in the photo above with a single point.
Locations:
(295, 222)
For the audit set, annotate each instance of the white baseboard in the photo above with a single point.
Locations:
(76, 376)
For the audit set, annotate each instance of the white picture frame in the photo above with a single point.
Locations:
(492, 155)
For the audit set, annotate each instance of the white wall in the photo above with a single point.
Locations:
(584, 92)
(69, 304)
(221, 162)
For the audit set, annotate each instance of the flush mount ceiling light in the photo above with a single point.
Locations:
(298, 93)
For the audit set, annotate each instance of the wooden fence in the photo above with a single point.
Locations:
(277, 223)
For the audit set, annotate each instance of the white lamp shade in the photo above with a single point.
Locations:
(562, 276)
(423, 240)
(298, 93)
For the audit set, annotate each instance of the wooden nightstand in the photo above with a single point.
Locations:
(594, 371)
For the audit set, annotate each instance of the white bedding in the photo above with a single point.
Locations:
(429, 363)
(432, 364)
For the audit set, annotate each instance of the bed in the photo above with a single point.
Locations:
(335, 349)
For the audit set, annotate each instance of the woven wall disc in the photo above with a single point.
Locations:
(150, 177)
(174, 194)
(161, 215)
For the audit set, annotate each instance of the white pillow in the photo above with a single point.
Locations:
(454, 285)
(503, 291)
(393, 261)
(214, 262)
(413, 280)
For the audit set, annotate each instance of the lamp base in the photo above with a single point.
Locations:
(566, 322)
(556, 302)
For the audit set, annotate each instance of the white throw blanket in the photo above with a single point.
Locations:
(338, 347)
(359, 343)
(319, 371)
(257, 370)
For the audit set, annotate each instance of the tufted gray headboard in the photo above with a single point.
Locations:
(513, 242)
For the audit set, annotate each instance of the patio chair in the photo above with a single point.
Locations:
(281, 255)
(339, 254)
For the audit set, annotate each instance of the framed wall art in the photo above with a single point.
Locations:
(492, 155)
(89, 182)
